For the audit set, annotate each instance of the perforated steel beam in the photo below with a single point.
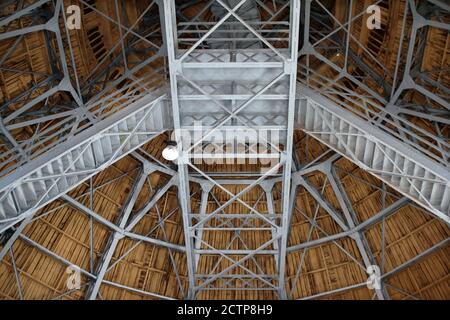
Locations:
(406, 170)
(46, 178)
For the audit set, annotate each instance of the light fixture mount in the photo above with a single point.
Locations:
(170, 152)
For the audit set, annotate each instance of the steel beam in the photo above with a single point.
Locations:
(63, 168)
(291, 64)
(183, 182)
(406, 170)
(114, 238)
(390, 210)
(350, 218)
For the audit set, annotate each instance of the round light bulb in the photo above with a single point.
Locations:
(170, 153)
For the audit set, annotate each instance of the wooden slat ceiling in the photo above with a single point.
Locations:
(66, 231)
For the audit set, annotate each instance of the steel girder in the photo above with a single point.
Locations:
(230, 89)
(85, 138)
(406, 170)
(114, 239)
(347, 221)
(337, 54)
(387, 275)
(92, 100)
(21, 151)
(63, 168)
(190, 90)
(122, 232)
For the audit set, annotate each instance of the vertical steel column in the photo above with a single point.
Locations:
(183, 187)
(206, 189)
(291, 70)
(268, 189)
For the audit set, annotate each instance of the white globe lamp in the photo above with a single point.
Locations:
(170, 152)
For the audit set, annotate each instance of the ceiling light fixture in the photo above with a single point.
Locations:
(170, 152)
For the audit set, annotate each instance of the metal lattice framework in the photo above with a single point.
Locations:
(294, 65)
